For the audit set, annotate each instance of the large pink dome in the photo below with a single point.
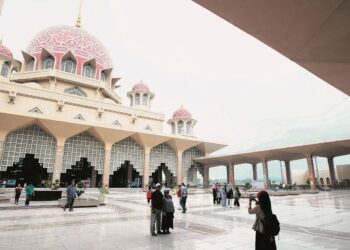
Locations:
(182, 114)
(62, 39)
(5, 51)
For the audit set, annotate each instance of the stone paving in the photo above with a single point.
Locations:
(310, 221)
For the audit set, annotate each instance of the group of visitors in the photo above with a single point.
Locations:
(224, 194)
(162, 211)
(29, 193)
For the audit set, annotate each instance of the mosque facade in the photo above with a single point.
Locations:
(61, 118)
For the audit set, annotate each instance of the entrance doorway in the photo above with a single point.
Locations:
(81, 171)
(27, 170)
(125, 176)
(163, 176)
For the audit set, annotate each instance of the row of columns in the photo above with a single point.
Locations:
(310, 165)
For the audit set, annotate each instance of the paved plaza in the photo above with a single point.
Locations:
(309, 221)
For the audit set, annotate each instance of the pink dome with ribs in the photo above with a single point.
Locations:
(141, 87)
(5, 51)
(182, 114)
(61, 39)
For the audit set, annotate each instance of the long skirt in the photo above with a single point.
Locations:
(167, 221)
(264, 242)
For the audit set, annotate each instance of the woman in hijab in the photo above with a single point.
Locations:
(261, 209)
(223, 196)
(168, 213)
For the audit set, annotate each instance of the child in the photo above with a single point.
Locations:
(237, 197)
(18, 191)
(149, 194)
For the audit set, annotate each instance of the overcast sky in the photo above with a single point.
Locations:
(242, 92)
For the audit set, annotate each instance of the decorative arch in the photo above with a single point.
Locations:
(5, 69)
(80, 146)
(47, 60)
(127, 150)
(29, 140)
(163, 153)
(69, 63)
(188, 163)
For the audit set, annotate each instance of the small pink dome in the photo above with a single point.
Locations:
(141, 87)
(61, 39)
(5, 51)
(182, 114)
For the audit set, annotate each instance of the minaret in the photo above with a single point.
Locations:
(182, 122)
(140, 96)
(78, 22)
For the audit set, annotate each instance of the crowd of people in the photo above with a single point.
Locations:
(224, 194)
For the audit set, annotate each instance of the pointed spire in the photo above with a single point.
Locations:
(78, 22)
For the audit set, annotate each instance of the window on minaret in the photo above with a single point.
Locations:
(30, 65)
(180, 127)
(137, 99)
(48, 63)
(144, 99)
(189, 128)
(103, 77)
(5, 69)
(88, 71)
(68, 66)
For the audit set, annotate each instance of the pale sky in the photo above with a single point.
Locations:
(242, 92)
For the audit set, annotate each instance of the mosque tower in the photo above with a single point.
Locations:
(182, 122)
(140, 96)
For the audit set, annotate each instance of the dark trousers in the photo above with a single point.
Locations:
(236, 203)
(264, 242)
(28, 199)
(183, 203)
(214, 198)
(70, 203)
(17, 198)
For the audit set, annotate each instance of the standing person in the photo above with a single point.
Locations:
(18, 191)
(71, 194)
(214, 194)
(29, 193)
(156, 210)
(229, 193)
(262, 208)
(218, 194)
(168, 213)
(237, 197)
(184, 193)
(223, 196)
(149, 194)
(178, 193)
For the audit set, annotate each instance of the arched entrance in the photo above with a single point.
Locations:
(125, 176)
(127, 163)
(83, 157)
(163, 176)
(190, 168)
(27, 170)
(27, 148)
(82, 171)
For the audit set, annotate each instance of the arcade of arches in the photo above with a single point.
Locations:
(33, 155)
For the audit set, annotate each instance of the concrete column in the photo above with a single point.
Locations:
(311, 171)
(332, 172)
(57, 168)
(288, 173)
(205, 177)
(145, 181)
(179, 167)
(231, 174)
(194, 176)
(266, 174)
(255, 172)
(106, 164)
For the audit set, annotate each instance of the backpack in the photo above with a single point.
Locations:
(184, 192)
(271, 225)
